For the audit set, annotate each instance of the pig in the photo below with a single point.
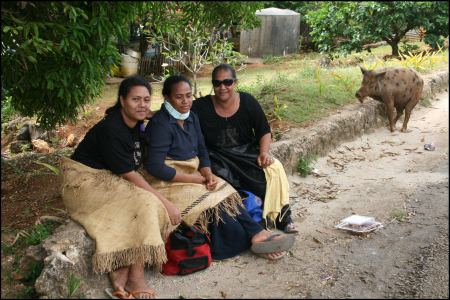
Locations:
(396, 87)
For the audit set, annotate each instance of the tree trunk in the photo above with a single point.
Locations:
(194, 79)
(394, 45)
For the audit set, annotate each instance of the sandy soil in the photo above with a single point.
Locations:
(384, 175)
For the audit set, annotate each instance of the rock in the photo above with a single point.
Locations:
(34, 257)
(14, 124)
(38, 133)
(24, 133)
(41, 146)
(71, 140)
(69, 253)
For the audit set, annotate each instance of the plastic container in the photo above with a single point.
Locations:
(134, 54)
(359, 224)
(129, 66)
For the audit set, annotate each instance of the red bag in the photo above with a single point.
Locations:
(187, 251)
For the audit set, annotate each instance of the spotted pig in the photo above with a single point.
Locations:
(396, 87)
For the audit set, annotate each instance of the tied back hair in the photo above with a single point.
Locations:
(225, 67)
(125, 86)
(171, 81)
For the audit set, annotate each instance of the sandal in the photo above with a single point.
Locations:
(150, 292)
(271, 244)
(118, 294)
(266, 255)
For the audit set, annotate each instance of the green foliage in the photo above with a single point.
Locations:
(195, 34)
(270, 59)
(27, 292)
(54, 169)
(304, 164)
(56, 55)
(436, 27)
(8, 111)
(347, 26)
(33, 271)
(222, 52)
(345, 81)
(37, 234)
(8, 249)
(399, 215)
(279, 109)
(73, 284)
(408, 48)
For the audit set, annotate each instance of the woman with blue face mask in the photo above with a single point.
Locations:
(175, 133)
(179, 167)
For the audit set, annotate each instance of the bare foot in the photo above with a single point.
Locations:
(136, 284)
(262, 236)
(272, 256)
(119, 278)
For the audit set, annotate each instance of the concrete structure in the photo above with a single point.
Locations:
(278, 34)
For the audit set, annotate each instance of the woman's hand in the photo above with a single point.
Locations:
(197, 178)
(173, 211)
(210, 178)
(264, 159)
(211, 182)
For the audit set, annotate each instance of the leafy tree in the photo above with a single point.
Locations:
(347, 26)
(55, 55)
(194, 35)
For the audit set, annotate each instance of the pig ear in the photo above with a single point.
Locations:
(364, 71)
(380, 74)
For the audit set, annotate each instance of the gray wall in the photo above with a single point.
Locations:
(278, 35)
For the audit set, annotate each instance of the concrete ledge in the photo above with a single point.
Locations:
(349, 122)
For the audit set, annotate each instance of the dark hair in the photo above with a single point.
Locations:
(171, 81)
(225, 67)
(125, 87)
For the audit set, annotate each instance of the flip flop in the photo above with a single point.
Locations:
(118, 294)
(270, 244)
(266, 255)
(150, 291)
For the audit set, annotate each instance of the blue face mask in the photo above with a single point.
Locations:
(174, 113)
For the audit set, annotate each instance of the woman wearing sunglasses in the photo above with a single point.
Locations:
(237, 135)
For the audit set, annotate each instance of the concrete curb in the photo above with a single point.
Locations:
(351, 121)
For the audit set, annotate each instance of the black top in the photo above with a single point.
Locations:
(167, 139)
(111, 145)
(246, 126)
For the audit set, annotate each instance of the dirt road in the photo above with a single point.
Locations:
(385, 175)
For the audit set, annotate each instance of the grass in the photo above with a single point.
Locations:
(73, 284)
(26, 275)
(304, 164)
(399, 214)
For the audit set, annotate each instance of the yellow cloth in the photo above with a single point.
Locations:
(277, 190)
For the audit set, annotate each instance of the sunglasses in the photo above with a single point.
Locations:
(226, 82)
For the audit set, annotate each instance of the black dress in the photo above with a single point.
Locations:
(233, 145)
